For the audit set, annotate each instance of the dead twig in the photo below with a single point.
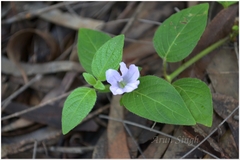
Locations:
(78, 150)
(8, 100)
(149, 21)
(65, 53)
(127, 10)
(91, 115)
(176, 9)
(210, 133)
(126, 20)
(45, 148)
(34, 149)
(86, 4)
(156, 131)
(36, 107)
(96, 112)
(104, 9)
(34, 13)
(236, 51)
(134, 40)
(133, 18)
(8, 67)
(135, 142)
(70, 9)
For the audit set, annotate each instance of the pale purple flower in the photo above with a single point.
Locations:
(127, 82)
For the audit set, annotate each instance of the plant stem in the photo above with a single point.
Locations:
(165, 68)
(195, 58)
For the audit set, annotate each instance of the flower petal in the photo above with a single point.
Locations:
(116, 90)
(123, 69)
(131, 86)
(132, 75)
(128, 80)
(113, 77)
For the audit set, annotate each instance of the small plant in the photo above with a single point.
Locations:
(186, 101)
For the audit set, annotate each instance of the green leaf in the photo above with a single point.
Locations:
(226, 4)
(108, 56)
(89, 41)
(198, 98)
(177, 36)
(235, 28)
(76, 107)
(99, 85)
(89, 78)
(157, 100)
(139, 68)
(106, 89)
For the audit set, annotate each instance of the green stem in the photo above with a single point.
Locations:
(196, 58)
(165, 68)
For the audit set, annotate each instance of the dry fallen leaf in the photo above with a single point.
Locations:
(117, 140)
(224, 105)
(19, 44)
(158, 144)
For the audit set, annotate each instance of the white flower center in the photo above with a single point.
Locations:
(121, 84)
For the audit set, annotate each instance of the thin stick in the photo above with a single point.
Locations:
(127, 19)
(20, 90)
(153, 125)
(156, 131)
(176, 9)
(45, 148)
(36, 107)
(210, 133)
(34, 149)
(78, 150)
(31, 14)
(86, 4)
(71, 10)
(65, 53)
(127, 10)
(149, 21)
(96, 112)
(132, 20)
(236, 51)
(40, 105)
(130, 134)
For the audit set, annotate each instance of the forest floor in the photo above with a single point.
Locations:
(40, 67)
